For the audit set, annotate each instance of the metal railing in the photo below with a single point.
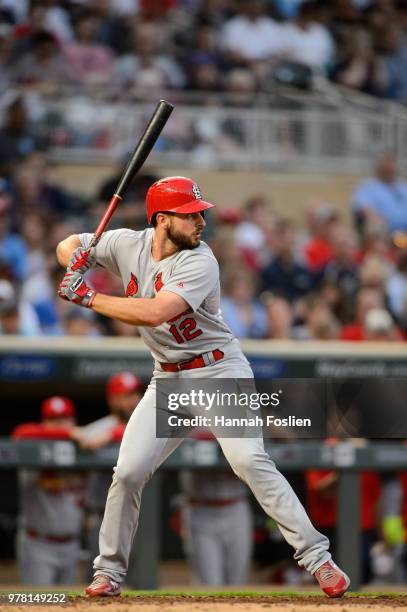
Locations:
(290, 140)
(334, 133)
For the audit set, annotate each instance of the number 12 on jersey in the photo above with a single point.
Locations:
(185, 330)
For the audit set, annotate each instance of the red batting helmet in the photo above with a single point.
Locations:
(123, 382)
(175, 194)
(56, 406)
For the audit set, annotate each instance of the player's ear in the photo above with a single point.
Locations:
(162, 220)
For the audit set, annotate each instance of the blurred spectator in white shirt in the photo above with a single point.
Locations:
(251, 35)
(126, 7)
(306, 40)
(380, 327)
(57, 21)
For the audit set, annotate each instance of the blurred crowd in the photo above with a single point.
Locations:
(316, 278)
(232, 46)
(320, 278)
(324, 279)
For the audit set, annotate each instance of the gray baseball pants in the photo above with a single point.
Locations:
(141, 453)
(219, 542)
(44, 563)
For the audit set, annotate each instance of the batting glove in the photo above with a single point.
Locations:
(74, 289)
(82, 260)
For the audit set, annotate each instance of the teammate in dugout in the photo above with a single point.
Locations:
(171, 279)
(51, 504)
(216, 522)
(123, 393)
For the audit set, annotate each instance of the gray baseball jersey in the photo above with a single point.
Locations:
(192, 274)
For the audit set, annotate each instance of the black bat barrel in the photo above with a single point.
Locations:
(145, 144)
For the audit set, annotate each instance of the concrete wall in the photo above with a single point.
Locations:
(290, 193)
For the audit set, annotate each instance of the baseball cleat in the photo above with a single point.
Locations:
(332, 580)
(103, 586)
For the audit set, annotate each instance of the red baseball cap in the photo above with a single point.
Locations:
(175, 194)
(123, 382)
(57, 406)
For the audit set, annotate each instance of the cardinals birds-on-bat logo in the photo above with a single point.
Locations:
(132, 287)
(158, 282)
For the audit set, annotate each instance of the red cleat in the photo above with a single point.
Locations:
(332, 580)
(103, 586)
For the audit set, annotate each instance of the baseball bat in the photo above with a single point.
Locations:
(150, 136)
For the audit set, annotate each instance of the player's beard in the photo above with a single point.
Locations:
(181, 241)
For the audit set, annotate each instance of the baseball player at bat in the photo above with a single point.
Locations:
(171, 283)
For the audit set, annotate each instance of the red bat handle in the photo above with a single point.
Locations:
(105, 219)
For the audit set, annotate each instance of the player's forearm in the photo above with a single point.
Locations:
(140, 311)
(65, 249)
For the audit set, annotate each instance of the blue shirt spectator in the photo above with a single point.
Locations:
(284, 275)
(394, 43)
(255, 327)
(383, 197)
(287, 279)
(245, 316)
(288, 9)
(13, 251)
